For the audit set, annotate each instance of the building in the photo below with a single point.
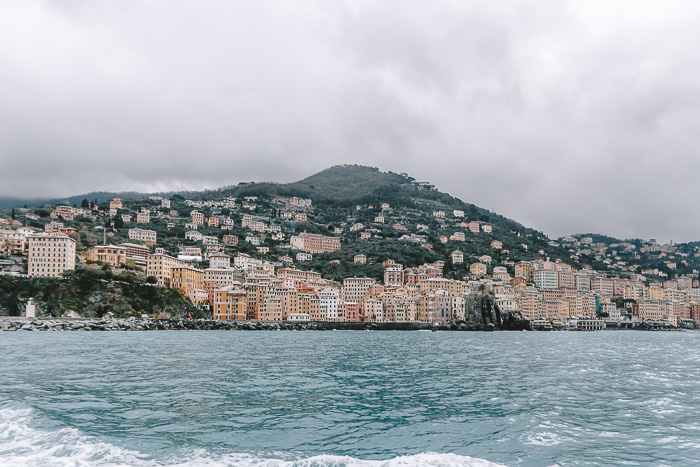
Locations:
(393, 276)
(567, 280)
(230, 303)
(50, 254)
(362, 259)
(230, 240)
(219, 261)
(197, 217)
(113, 255)
(457, 257)
(478, 269)
(188, 280)
(356, 288)
(603, 285)
(314, 243)
(145, 236)
(525, 270)
(546, 279)
(308, 277)
(160, 266)
(143, 217)
(328, 298)
(136, 253)
(12, 240)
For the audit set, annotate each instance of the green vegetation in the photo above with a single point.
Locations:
(93, 293)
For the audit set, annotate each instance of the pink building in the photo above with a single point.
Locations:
(352, 312)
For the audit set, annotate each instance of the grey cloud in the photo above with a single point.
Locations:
(567, 116)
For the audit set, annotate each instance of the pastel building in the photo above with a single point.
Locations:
(314, 243)
(146, 236)
(143, 217)
(50, 254)
(230, 303)
(197, 217)
(113, 255)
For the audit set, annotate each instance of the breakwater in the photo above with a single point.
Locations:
(150, 324)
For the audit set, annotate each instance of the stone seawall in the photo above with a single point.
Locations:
(137, 324)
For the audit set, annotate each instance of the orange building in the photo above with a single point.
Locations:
(230, 303)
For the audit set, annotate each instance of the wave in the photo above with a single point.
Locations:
(21, 444)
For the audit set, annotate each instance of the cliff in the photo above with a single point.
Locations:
(92, 294)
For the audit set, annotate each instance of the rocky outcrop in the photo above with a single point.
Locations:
(483, 313)
(87, 295)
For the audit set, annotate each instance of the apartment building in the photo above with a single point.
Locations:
(393, 276)
(314, 243)
(50, 254)
(161, 265)
(219, 261)
(356, 288)
(478, 269)
(12, 240)
(143, 217)
(546, 279)
(146, 236)
(197, 217)
(136, 253)
(230, 303)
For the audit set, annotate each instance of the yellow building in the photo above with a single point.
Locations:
(160, 266)
(438, 283)
(230, 303)
(143, 218)
(113, 255)
(478, 269)
(186, 278)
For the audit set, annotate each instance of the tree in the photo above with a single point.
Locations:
(12, 216)
(85, 204)
(151, 280)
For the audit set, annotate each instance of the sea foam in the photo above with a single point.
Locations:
(21, 444)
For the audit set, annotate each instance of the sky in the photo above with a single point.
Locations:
(567, 116)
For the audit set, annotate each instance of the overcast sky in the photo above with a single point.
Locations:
(568, 116)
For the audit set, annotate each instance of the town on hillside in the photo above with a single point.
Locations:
(285, 258)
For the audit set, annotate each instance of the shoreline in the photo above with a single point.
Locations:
(152, 324)
(15, 324)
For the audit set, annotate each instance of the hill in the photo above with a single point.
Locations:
(97, 196)
(344, 186)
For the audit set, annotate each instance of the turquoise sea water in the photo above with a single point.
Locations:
(349, 398)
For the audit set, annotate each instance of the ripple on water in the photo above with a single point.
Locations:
(313, 398)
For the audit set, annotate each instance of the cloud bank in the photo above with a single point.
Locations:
(569, 116)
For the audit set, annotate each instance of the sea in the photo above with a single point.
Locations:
(349, 398)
